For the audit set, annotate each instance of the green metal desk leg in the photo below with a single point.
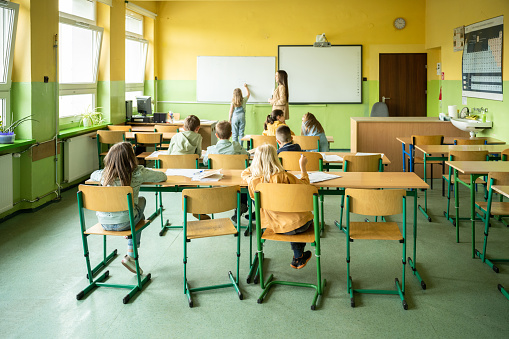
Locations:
(503, 291)
(425, 209)
(472, 211)
(412, 262)
(457, 205)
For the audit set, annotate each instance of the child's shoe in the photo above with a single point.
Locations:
(299, 263)
(253, 215)
(130, 264)
(243, 209)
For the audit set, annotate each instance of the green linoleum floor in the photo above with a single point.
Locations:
(43, 269)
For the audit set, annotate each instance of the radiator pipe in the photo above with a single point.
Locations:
(37, 198)
(57, 98)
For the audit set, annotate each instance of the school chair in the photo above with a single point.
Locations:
(359, 163)
(418, 160)
(174, 161)
(470, 142)
(274, 197)
(108, 199)
(108, 138)
(148, 139)
(505, 154)
(463, 179)
(307, 142)
(490, 208)
(166, 129)
(258, 140)
(207, 201)
(228, 161)
(373, 203)
(124, 128)
(290, 162)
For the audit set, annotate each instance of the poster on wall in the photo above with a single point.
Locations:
(482, 60)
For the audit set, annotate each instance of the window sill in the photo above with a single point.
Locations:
(75, 131)
(17, 144)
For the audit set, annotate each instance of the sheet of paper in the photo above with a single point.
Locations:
(156, 154)
(319, 176)
(361, 153)
(332, 157)
(214, 177)
(184, 172)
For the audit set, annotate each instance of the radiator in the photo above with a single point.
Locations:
(6, 186)
(80, 157)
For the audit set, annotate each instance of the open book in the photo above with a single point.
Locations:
(319, 176)
(208, 175)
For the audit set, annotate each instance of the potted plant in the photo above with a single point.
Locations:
(91, 117)
(7, 135)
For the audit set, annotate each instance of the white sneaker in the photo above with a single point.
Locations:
(130, 264)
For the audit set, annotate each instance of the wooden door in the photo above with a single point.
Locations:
(403, 83)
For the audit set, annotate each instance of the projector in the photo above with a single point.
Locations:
(322, 44)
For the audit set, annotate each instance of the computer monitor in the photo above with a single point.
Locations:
(144, 105)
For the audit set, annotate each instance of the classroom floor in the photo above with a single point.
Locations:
(43, 269)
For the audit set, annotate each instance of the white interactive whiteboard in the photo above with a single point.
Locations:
(218, 76)
(322, 74)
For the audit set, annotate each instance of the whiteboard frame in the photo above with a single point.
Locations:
(323, 102)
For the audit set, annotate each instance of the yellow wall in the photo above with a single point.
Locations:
(104, 21)
(21, 68)
(117, 41)
(187, 29)
(149, 34)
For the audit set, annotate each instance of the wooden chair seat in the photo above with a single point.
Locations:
(143, 155)
(307, 237)
(210, 228)
(103, 154)
(420, 160)
(465, 178)
(497, 208)
(99, 230)
(375, 231)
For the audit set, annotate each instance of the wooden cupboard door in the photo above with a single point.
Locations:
(403, 79)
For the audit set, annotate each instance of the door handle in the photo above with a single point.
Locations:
(384, 98)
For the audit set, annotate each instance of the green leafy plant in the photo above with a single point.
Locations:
(9, 130)
(93, 115)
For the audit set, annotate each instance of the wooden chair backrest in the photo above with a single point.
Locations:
(176, 116)
(228, 161)
(505, 154)
(259, 140)
(110, 137)
(499, 178)
(291, 160)
(427, 139)
(307, 142)
(124, 128)
(178, 161)
(286, 197)
(362, 163)
(469, 142)
(148, 138)
(210, 200)
(105, 199)
(375, 202)
(468, 155)
(167, 129)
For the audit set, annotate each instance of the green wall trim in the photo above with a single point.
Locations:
(17, 144)
(72, 132)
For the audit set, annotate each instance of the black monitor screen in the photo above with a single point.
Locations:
(144, 105)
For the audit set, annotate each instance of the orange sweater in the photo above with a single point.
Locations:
(280, 222)
(271, 128)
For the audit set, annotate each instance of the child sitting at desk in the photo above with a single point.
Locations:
(312, 127)
(121, 169)
(189, 140)
(274, 120)
(267, 168)
(225, 146)
(285, 140)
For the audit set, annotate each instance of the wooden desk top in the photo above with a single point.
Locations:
(385, 160)
(174, 123)
(404, 180)
(432, 149)
(450, 140)
(504, 190)
(479, 167)
(166, 136)
(248, 137)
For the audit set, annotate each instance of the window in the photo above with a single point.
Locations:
(79, 51)
(8, 23)
(135, 53)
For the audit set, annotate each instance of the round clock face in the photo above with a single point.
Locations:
(399, 23)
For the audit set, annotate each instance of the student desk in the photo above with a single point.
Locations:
(330, 139)
(447, 141)
(475, 169)
(504, 190)
(166, 136)
(386, 180)
(444, 150)
(338, 164)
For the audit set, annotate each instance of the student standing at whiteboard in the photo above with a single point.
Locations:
(238, 113)
(279, 98)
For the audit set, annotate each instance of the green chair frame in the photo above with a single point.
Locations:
(111, 201)
(208, 202)
(372, 201)
(311, 197)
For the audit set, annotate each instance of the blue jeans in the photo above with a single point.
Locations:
(238, 125)
(298, 247)
(138, 215)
